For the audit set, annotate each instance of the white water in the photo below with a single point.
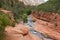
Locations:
(31, 24)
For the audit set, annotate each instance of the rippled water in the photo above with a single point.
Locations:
(31, 24)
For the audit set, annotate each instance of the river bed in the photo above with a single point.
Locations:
(31, 29)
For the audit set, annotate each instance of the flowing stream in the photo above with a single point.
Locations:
(31, 24)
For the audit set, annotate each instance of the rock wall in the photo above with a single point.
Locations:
(32, 2)
(53, 18)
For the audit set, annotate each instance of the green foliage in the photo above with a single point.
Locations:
(24, 17)
(19, 9)
(2, 34)
(21, 12)
(1, 3)
(46, 35)
(50, 6)
(27, 11)
(4, 21)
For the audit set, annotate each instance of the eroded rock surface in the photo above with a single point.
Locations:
(32, 2)
(47, 27)
(42, 27)
(19, 32)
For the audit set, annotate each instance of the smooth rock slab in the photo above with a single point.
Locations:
(19, 32)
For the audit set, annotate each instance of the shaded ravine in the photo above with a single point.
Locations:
(31, 28)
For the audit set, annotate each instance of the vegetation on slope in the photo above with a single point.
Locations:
(21, 11)
(4, 21)
(18, 8)
(50, 6)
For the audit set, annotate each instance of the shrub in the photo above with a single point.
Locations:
(4, 21)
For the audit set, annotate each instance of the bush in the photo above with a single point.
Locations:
(4, 21)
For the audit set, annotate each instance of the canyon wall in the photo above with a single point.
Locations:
(32, 2)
